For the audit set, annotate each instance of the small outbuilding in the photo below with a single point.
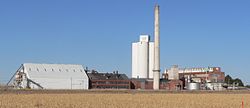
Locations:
(50, 76)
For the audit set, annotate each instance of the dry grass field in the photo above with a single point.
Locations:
(123, 100)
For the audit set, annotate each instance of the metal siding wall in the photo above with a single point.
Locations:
(74, 78)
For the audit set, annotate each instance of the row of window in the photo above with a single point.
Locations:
(67, 70)
(111, 87)
(110, 82)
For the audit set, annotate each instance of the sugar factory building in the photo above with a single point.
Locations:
(68, 76)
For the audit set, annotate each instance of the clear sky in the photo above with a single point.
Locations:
(99, 33)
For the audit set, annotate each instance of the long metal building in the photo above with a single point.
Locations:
(50, 76)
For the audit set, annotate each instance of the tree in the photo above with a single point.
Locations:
(228, 79)
(237, 80)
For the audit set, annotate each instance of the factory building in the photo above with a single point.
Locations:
(173, 73)
(50, 76)
(211, 78)
(108, 80)
(143, 58)
(210, 74)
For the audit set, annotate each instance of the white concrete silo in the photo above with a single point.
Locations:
(135, 60)
(151, 60)
(143, 56)
(140, 58)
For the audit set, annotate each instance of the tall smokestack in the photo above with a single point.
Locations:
(157, 49)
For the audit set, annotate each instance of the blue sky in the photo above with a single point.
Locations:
(99, 33)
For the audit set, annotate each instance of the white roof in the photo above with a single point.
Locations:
(53, 68)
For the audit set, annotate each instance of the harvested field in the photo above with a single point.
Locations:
(122, 99)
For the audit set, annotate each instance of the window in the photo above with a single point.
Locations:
(67, 70)
(45, 70)
(52, 69)
(29, 69)
(37, 69)
(60, 70)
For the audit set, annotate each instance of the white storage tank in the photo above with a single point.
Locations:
(151, 60)
(193, 86)
(135, 60)
(140, 58)
(143, 59)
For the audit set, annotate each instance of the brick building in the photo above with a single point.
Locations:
(108, 80)
(147, 84)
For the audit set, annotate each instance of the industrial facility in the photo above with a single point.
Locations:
(67, 76)
(50, 76)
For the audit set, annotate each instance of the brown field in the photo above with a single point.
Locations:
(122, 99)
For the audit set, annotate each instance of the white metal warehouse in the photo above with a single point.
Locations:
(50, 76)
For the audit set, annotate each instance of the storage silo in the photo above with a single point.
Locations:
(135, 60)
(193, 86)
(143, 60)
(151, 60)
(142, 57)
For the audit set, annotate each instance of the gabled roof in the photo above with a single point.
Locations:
(54, 70)
(31, 67)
